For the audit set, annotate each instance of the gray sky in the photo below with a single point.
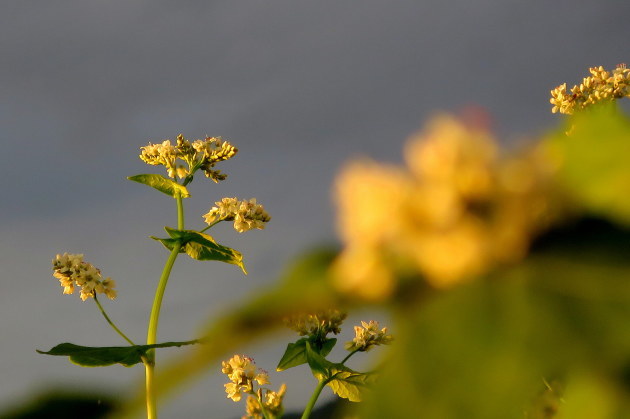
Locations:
(298, 86)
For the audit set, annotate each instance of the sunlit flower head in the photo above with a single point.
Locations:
(367, 336)
(272, 401)
(184, 158)
(246, 214)
(72, 271)
(600, 86)
(242, 373)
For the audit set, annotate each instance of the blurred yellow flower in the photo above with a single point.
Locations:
(319, 324)
(456, 211)
(272, 401)
(242, 373)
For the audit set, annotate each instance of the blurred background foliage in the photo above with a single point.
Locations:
(539, 337)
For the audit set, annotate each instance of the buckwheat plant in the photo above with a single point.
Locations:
(182, 161)
(600, 86)
(311, 349)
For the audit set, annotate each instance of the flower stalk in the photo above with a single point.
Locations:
(311, 402)
(155, 317)
(111, 323)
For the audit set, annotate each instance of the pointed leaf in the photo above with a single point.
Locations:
(343, 381)
(162, 184)
(203, 247)
(295, 354)
(168, 243)
(174, 233)
(320, 366)
(88, 356)
(349, 384)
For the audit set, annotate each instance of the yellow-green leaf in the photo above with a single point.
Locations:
(162, 184)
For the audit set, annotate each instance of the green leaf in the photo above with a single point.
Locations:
(593, 162)
(349, 384)
(162, 184)
(88, 356)
(320, 366)
(168, 243)
(343, 381)
(201, 246)
(295, 354)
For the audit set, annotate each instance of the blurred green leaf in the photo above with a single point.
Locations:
(88, 356)
(295, 354)
(593, 159)
(320, 366)
(343, 381)
(484, 349)
(162, 184)
(351, 385)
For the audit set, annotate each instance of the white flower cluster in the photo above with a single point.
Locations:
(367, 336)
(71, 271)
(247, 215)
(200, 154)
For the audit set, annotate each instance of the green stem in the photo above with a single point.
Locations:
(111, 323)
(180, 212)
(155, 317)
(313, 399)
(211, 225)
(262, 406)
(349, 355)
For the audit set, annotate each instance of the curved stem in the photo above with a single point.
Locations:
(111, 323)
(152, 331)
(211, 225)
(313, 399)
(155, 317)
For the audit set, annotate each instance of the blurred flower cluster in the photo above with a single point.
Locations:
(271, 403)
(455, 211)
(600, 86)
(242, 373)
(71, 271)
(200, 154)
(319, 324)
(247, 215)
(367, 336)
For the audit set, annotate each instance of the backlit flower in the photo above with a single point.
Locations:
(184, 158)
(242, 373)
(367, 336)
(600, 86)
(247, 215)
(72, 271)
